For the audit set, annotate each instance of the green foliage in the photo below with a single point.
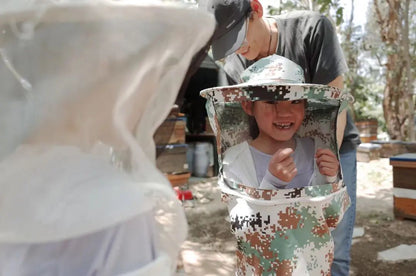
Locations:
(363, 80)
(325, 7)
(330, 8)
(368, 101)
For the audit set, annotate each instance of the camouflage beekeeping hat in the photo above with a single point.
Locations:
(270, 74)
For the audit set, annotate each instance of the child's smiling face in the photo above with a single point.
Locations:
(278, 120)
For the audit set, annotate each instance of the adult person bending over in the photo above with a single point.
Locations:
(244, 35)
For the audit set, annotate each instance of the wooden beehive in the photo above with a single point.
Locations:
(171, 131)
(404, 185)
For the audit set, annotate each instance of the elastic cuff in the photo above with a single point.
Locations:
(273, 180)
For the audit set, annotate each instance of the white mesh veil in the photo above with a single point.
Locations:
(84, 86)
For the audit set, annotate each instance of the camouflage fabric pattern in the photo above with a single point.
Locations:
(273, 69)
(286, 231)
(281, 232)
(230, 122)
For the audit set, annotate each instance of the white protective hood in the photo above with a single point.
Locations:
(83, 88)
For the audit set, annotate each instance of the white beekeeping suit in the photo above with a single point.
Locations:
(84, 86)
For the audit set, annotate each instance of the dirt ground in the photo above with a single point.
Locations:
(209, 249)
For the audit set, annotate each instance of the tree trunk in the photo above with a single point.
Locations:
(351, 55)
(396, 102)
(408, 75)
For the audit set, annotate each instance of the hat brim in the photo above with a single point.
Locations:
(230, 41)
(273, 91)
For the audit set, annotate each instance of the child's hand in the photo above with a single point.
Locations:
(327, 162)
(282, 166)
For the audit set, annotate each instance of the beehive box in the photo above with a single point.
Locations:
(367, 152)
(404, 185)
(391, 148)
(171, 131)
(368, 130)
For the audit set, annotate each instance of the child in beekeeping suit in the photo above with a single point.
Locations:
(279, 157)
(282, 182)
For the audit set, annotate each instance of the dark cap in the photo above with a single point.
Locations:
(230, 31)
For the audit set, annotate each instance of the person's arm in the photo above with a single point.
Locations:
(271, 182)
(342, 117)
